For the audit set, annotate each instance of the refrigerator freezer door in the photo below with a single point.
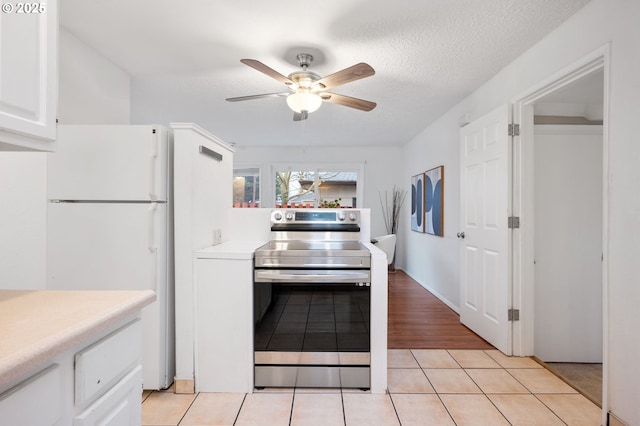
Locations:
(109, 162)
(116, 246)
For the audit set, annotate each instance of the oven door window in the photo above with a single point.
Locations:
(313, 318)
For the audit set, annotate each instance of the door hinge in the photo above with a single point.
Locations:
(514, 130)
(513, 314)
(514, 222)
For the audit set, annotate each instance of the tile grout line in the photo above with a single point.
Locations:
(344, 413)
(188, 408)
(433, 387)
(244, 398)
(480, 388)
(523, 385)
(395, 410)
(549, 408)
(293, 400)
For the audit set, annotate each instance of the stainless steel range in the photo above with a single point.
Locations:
(312, 301)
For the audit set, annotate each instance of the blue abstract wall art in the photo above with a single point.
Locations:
(417, 203)
(433, 201)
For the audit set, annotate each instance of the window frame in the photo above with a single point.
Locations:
(317, 168)
(260, 168)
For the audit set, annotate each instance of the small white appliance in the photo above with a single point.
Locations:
(110, 225)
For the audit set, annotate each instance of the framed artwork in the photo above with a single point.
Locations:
(417, 203)
(433, 201)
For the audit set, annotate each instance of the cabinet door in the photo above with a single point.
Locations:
(121, 406)
(29, 76)
(41, 391)
(102, 364)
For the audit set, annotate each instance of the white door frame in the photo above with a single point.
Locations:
(522, 160)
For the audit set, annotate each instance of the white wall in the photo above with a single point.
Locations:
(432, 260)
(92, 90)
(23, 219)
(382, 168)
(568, 243)
(601, 22)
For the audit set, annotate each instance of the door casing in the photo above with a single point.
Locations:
(522, 280)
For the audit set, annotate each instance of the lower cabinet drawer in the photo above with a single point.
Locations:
(36, 401)
(120, 406)
(101, 365)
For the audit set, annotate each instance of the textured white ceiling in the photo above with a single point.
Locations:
(184, 59)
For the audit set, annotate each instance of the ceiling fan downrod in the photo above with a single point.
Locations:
(304, 60)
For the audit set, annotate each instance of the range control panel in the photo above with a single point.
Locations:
(310, 216)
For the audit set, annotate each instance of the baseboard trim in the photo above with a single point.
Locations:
(432, 291)
(187, 386)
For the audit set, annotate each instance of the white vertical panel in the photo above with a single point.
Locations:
(470, 294)
(471, 213)
(491, 185)
(491, 263)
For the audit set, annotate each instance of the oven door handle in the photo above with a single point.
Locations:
(306, 276)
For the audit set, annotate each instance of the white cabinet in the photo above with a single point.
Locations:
(97, 382)
(203, 195)
(28, 75)
(119, 406)
(224, 325)
(101, 365)
(38, 397)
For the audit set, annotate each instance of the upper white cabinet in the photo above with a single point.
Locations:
(28, 75)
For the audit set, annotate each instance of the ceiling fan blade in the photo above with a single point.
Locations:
(250, 97)
(348, 101)
(299, 116)
(268, 71)
(355, 72)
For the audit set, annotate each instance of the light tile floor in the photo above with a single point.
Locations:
(426, 387)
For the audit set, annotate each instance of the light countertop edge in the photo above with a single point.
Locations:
(38, 325)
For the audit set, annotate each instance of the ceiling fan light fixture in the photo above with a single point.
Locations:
(304, 101)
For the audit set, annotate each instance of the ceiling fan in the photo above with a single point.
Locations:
(307, 89)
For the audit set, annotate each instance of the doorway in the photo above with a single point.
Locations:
(568, 233)
(561, 167)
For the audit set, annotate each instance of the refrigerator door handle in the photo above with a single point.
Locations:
(152, 227)
(153, 209)
(152, 169)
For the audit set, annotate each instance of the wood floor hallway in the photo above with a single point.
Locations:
(419, 320)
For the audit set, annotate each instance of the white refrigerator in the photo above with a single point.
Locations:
(110, 225)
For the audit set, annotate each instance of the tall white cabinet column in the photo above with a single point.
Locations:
(203, 170)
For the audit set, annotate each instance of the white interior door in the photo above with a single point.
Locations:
(484, 238)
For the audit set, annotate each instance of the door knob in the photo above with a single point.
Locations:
(460, 234)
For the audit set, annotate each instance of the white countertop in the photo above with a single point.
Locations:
(38, 325)
(236, 249)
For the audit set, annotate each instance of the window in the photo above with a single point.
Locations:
(317, 187)
(246, 186)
